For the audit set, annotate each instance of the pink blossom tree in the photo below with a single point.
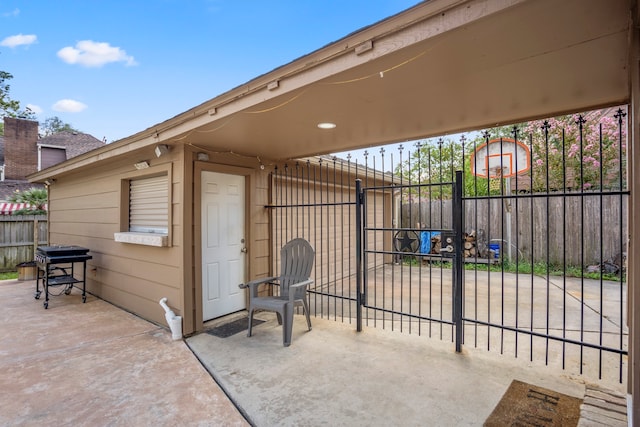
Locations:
(578, 152)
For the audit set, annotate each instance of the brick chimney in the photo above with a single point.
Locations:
(20, 148)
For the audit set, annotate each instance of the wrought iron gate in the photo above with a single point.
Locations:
(388, 291)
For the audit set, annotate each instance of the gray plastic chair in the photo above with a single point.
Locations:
(296, 263)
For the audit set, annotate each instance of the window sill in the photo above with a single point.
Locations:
(146, 239)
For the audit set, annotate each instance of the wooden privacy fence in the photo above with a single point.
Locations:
(576, 231)
(19, 237)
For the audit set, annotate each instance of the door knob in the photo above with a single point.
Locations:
(244, 249)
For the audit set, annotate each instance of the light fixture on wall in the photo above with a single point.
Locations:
(326, 125)
(49, 182)
(203, 157)
(141, 165)
(161, 150)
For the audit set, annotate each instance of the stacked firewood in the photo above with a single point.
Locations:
(436, 243)
(473, 247)
(476, 246)
(470, 245)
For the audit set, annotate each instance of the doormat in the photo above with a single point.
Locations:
(526, 404)
(232, 328)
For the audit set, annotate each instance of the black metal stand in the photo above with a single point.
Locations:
(58, 274)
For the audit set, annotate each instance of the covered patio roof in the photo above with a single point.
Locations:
(443, 66)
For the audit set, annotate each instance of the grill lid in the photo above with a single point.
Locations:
(62, 250)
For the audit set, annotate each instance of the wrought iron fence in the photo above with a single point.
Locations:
(543, 220)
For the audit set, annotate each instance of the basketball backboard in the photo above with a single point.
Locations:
(500, 158)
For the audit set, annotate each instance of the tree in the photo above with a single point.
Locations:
(10, 107)
(578, 152)
(35, 198)
(435, 162)
(55, 124)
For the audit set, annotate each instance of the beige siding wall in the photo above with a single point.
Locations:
(85, 209)
(329, 223)
(260, 231)
(332, 232)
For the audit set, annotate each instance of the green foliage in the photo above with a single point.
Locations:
(539, 269)
(8, 106)
(10, 275)
(435, 162)
(477, 186)
(35, 198)
(54, 125)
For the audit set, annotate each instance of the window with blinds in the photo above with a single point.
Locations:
(149, 205)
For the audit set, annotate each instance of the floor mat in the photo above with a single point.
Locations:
(232, 328)
(526, 404)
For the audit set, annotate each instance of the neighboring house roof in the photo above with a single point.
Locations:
(75, 143)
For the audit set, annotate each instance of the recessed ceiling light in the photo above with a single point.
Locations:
(326, 125)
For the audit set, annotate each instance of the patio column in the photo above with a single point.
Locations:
(633, 269)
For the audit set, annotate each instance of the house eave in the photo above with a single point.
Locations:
(116, 149)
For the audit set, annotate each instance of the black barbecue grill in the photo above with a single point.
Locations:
(56, 268)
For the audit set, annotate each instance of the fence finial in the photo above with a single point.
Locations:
(619, 115)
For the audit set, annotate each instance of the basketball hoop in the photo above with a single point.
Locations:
(500, 158)
(498, 171)
(495, 177)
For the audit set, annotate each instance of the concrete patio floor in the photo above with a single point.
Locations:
(95, 364)
(336, 376)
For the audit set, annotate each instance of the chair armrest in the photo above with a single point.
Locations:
(257, 282)
(294, 288)
(253, 285)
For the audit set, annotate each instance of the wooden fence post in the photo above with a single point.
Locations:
(36, 236)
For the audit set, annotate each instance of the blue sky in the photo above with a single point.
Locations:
(113, 68)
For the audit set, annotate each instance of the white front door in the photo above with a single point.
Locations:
(223, 244)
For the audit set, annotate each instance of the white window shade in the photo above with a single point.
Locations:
(149, 205)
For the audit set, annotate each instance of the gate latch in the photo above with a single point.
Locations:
(447, 247)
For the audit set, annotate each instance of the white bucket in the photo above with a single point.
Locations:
(175, 325)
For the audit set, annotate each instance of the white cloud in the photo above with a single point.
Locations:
(14, 12)
(69, 106)
(19, 40)
(35, 108)
(94, 54)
